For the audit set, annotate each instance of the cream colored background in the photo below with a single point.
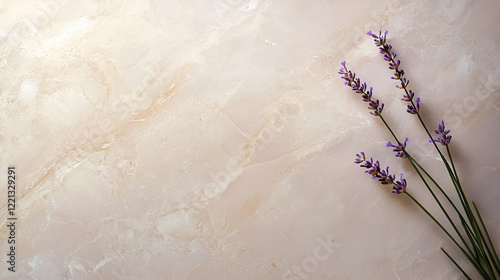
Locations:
(215, 140)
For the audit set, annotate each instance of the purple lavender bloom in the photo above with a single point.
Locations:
(386, 50)
(443, 132)
(367, 96)
(346, 74)
(389, 55)
(374, 170)
(379, 40)
(399, 186)
(404, 83)
(383, 175)
(366, 163)
(385, 178)
(394, 65)
(398, 75)
(360, 158)
(361, 88)
(377, 110)
(408, 96)
(414, 109)
(399, 149)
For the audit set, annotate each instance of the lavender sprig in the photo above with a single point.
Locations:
(479, 250)
(414, 104)
(414, 108)
(361, 88)
(383, 175)
(484, 262)
(444, 138)
(386, 49)
(399, 149)
(408, 96)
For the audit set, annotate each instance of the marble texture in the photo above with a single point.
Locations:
(215, 140)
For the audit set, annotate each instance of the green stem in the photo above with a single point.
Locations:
(415, 163)
(437, 185)
(454, 178)
(493, 256)
(455, 263)
(390, 130)
(473, 262)
(479, 237)
(474, 233)
(430, 190)
(457, 184)
(479, 257)
(478, 268)
(480, 254)
(452, 163)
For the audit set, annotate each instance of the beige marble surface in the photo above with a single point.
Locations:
(215, 140)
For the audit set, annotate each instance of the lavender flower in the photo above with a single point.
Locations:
(414, 109)
(374, 105)
(383, 175)
(404, 83)
(408, 96)
(399, 149)
(399, 186)
(372, 168)
(385, 178)
(360, 158)
(479, 250)
(386, 50)
(379, 40)
(443, 132)
(361, 88)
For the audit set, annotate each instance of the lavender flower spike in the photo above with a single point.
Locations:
(379, 40)
(399, 149)
(383, 175)
(409, 96)
(385, 178)
(360, 158)
(386, 50)
(361, 88)
(399, 186)
(445, 139)
(374, 105)
(390, 56)
(374, 170)
(414, 109)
